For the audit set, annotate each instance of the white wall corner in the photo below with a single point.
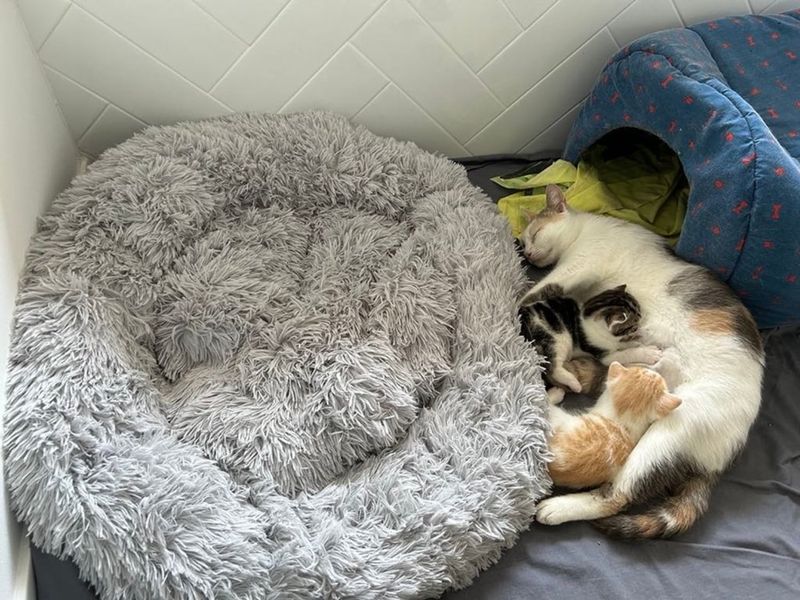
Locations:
(38, 158)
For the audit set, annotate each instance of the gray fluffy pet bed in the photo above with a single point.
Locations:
(273, 357)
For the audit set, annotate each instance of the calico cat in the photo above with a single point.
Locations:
(589, 449)
(683, 307)
(560, 329)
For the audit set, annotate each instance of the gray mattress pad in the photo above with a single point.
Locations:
(746, 546)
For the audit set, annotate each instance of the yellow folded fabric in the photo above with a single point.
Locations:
(645, 185)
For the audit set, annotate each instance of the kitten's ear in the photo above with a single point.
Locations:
(620, 288)
(667, 403)
(615, 369)
(616, 317)
(555, 198)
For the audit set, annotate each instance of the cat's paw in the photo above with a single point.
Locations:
(555, 395)
(581, 506)
(649, 355)
(551, 511)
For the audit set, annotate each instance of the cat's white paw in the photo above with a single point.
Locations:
(581, 506)
(555, 395)
(649, 355)
(551, 511)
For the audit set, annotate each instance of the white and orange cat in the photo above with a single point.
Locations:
(590, 448)
(686, 308)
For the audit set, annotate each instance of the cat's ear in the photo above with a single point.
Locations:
(667, 403)
(615, 369)
(620, 288)
(555, 198)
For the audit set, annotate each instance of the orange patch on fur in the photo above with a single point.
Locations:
(716, 321)
(681, 516)
(648, 525)
(636, 391)
(589, 455)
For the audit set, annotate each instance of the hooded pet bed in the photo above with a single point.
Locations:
(725, 96)
(273, 357)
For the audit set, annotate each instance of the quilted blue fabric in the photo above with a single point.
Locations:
(725, 96)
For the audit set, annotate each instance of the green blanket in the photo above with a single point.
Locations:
(644, 186)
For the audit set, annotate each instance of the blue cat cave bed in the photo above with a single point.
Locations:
(725, 97)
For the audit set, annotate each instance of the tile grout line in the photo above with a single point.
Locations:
(156, 59)
(678, 11)
(513, 16)
(553, 124)
(593, 35)
(220, 23)
(91, 125)
(310, 79)
(247, 50)
(457, 55)
(374, 96)
(338, 51)
(52, 29)
(108, 102)
(43, 71)
(769, 6)
(72, 81)
(611, 35)
(519, 35)
(367, 58)
(83, 89)
(439, 125)
(535, 85)
(389, 82)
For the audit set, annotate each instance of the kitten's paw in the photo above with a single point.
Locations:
(555, 395)
(566, 379)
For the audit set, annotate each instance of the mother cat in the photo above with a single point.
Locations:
(676, 463)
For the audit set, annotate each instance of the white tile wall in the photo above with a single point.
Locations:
(454, 76)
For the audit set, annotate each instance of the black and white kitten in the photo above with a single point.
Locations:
(561, 329)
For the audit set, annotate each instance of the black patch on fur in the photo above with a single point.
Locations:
(616, 304)
(570, 314)
(700, 289)
(550, 316)
(663, 479)
(551, 290)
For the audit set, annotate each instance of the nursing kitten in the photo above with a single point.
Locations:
(589, 449)
(684, 307)
(560, 329)
(590, 373)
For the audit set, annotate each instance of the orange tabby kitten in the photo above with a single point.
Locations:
(590, 448)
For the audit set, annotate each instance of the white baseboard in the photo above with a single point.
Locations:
(24, 585)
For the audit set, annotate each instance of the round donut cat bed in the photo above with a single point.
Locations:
(725, 96)
(273, 357)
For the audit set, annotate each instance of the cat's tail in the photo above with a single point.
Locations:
(668, 516)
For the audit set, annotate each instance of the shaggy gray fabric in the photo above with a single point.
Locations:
(273, 357)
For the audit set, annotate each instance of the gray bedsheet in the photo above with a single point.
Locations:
(747, 546)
